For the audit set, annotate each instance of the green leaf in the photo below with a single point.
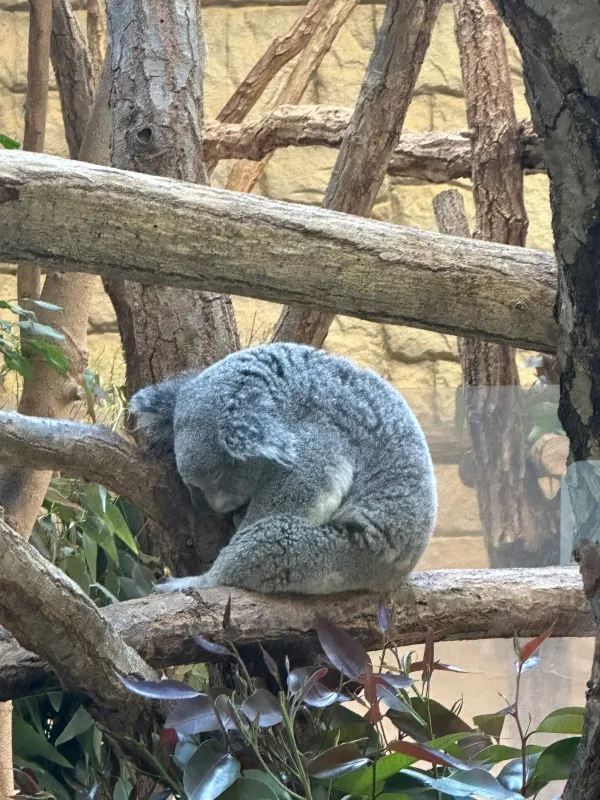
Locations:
(75, 568)
(245, 788)
(563, 720)
(257, 775)
(97, 530)
(48, 306)
(118, 526)
(8, 143)
(29, 743)
(15, 361)
(473, 783)
(52, 354)
(492, 724)
(90, 551)
(37, 329)
(78, 724)
(496, 753)
(209, 773)
(361, 781)
(554, 763)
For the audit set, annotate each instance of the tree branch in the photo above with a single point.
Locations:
(457, 604)
(73, 216)
(435, 156)
(97, 454)
(370, 137)
(60, 623)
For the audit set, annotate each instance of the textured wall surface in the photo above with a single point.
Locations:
(423, 365)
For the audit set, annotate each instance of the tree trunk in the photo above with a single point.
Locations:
(371, 136)
(158, 130)
(520, 526)
(558, 44)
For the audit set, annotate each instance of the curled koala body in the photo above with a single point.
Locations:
(323, 462)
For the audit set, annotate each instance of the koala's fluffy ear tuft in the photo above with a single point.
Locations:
(259, 438)
(152, 410)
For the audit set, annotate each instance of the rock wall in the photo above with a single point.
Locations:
(423, 365)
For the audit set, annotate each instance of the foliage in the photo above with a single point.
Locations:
(7, 143)
(95, 538)
(297, 738)
(40, 340)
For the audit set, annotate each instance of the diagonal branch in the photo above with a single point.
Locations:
(64, 214)
(60, 623)
(456, 604)
(245, 174)
(96, 454)
(371, 135)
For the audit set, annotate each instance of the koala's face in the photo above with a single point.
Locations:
(227, 483)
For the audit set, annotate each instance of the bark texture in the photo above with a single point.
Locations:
(458, 604)
(434, 156)
(245, 174)
(559, 47)
(271, 250)
(59, 614)
(157, 60)
(96, 35)
(192, 538)
(520, 525)
(371, 136)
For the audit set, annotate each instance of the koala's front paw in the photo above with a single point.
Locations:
(184, 584)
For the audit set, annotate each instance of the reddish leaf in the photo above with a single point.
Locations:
(316, 692)
(342, 650)
(160, 690)
(337, 761)
(531, 647)
(169, 739)
(429, 754)
(428, 656)
(373, 714)
(212, 647)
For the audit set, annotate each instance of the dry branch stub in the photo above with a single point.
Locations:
(63, 215)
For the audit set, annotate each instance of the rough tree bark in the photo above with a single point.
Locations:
(456, 604)
(244, 174)
(157, 123)
(371, 136)
(520, 525)
(155, 86)
(271, 250)
(50, 620)
(434, 156)
(96, 35)
(559, 47)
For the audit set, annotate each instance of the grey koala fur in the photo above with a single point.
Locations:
(323, 461)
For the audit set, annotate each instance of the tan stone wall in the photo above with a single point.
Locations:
(423, 365)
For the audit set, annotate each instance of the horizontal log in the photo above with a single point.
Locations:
(67, 215)
(435, 156)
(456, 604)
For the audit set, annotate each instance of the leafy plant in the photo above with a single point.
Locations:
(301, 740)
(41, 340)
(94, 537)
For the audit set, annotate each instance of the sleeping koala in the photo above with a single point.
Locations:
(323, 462)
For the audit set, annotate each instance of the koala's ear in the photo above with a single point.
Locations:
(259, 438)
(151, 417)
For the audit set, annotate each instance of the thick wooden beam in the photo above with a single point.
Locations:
(456, 604)
(67, 215)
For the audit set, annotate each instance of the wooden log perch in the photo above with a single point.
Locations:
(69, 215)
(435, 156)
(456, 604)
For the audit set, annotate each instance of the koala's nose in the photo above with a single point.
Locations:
(221, 502)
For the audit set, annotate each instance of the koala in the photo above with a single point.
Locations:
(323, 464)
